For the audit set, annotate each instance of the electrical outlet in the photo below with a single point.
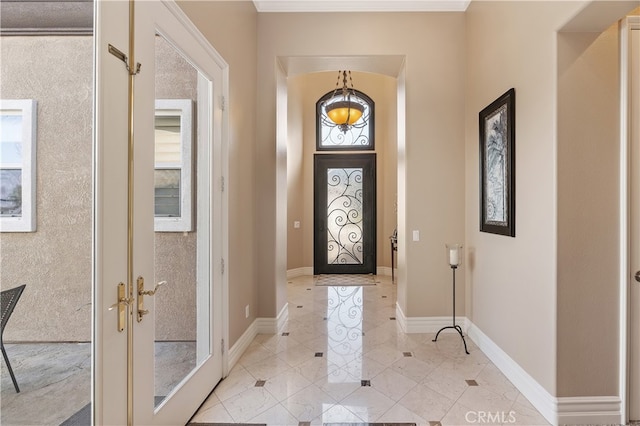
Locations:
(246, 311)
(296, 224)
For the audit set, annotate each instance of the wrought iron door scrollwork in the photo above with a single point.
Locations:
(344, 216)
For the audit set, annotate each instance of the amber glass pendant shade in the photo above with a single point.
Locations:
(344, 112)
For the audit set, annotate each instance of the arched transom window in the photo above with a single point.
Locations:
(358, 136)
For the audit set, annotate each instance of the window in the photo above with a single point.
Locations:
(18, 165)
(360, 136)
(173, 164)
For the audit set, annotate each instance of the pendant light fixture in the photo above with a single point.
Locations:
(341, 109)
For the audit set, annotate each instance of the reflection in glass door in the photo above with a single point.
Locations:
(179, 240)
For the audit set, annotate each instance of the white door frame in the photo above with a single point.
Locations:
(627, 24)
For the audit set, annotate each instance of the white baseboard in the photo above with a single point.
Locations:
(299, 272)
(427, 324)
(283, 316)
(557, 411)
(273, 325)
(539, 397)
(590, 410)
(241, 345)
(258, 326)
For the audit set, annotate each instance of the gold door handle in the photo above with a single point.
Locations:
(121, 304)
(141, 293)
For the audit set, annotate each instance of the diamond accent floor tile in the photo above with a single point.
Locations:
(344, 359)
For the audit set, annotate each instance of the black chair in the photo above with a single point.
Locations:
(9, 299)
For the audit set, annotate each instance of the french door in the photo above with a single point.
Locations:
(345, 214)
(159, 236)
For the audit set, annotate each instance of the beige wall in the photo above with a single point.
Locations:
(55, 261)
(304, 92)
(231, 28)
(535, 295)
(434, 142)
(296, 246)
(511, 281)
(588, 213)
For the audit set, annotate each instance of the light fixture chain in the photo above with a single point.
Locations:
(345, 90)
(335, 91)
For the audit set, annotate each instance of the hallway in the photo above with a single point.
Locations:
(342, 358)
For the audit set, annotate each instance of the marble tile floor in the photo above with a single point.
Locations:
(342, 358)
(55, 379)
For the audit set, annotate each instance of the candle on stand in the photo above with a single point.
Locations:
(453, 256)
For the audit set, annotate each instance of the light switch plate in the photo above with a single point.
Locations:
(416, 235)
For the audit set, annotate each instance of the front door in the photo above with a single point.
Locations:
(159, 232)
(345, 214)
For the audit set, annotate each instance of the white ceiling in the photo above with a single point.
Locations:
(361, 5)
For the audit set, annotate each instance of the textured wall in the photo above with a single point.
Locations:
(175, 252)
(55, 261)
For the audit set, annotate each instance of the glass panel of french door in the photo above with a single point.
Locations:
(181, 244)
(344, 213)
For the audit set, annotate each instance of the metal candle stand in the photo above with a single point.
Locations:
(454, 326)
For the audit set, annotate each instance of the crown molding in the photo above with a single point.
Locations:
(361, 5)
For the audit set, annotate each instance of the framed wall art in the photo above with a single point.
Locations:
(497, 166)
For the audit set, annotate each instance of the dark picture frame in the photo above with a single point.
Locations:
(498, 166)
